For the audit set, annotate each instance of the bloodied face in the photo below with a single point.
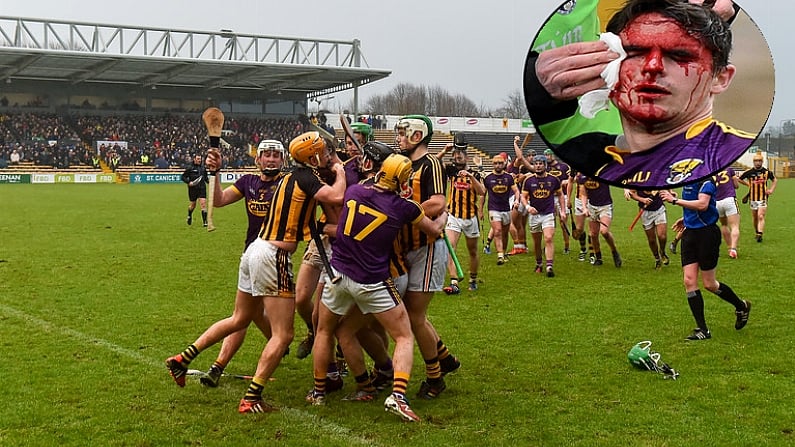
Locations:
(667, 80)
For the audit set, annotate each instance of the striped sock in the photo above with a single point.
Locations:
(254, 391)
(401, 382)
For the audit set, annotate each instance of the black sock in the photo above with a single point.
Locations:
(204, 216)
(190, 212)
(696, 303)
(726, 293)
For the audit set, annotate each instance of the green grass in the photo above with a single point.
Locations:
(100, 283)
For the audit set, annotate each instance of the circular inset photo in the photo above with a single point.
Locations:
(649, 94)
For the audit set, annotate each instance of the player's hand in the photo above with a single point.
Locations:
(667, 196)
(724, 8)
(572, 70)
(679, 225)
(338, 169)
(516, 139)
(213, 160)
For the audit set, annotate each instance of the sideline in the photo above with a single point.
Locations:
(304, 418)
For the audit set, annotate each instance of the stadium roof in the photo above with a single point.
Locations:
(78, 54)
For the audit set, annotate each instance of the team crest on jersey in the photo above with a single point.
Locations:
(541, 193)
(566, 8)
(465, 186)
(682, 170)
(500, 189)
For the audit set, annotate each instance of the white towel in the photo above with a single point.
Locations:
(597, 100)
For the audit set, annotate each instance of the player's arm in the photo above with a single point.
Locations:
(772, 184)
(520, 159)
(224, 197)
(432, 227)
(561, 200)
(479, 188)
(333, 194)
(440, 155)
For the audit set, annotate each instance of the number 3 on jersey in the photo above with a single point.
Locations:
(357, 210)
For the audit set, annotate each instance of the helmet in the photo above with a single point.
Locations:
(549, 152)
(416, 123)
(758, 156)
(498, 159)
(307, 145)
(376, 152)
(270, 145)
(364, 129)
(641, 356)
(460, 142)
(394, 172)
(540, 158)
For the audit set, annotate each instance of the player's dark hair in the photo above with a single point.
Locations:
(701, 22)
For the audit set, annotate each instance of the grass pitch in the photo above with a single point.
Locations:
(100, 283)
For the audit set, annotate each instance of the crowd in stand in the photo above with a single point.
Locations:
(163, 141)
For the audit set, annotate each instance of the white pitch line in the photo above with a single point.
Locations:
(326, 427)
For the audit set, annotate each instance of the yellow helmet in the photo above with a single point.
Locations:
(307, 145)
(758, 156)
(394, 172)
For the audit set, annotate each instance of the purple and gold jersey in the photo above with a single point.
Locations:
(598, 193)
(560, 170)
(656, 200)
(369, 224)
(352, 174)
(257, 195)
(758, 182)
(725, 184)
(427, 180)
(707, 147)
(541, 191)
(292, 206)
(498, 188)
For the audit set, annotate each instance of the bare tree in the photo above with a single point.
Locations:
(513, 106)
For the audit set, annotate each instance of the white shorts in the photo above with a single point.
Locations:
(650, 219)
(597, 212)
(557, 203)
(369, 298)
(727, 207)
(503, 217)
(470, 227)
(756, 204)
(521, 209)
(266, 270)
(540, 221)
(401, 283)
(427, 267)
(579, 210)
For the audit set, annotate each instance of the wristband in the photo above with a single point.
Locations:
(215, 142)
(674, 201)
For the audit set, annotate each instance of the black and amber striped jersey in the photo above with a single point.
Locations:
(427, 180)
(757, 182)
(463, 199)
(292, 206)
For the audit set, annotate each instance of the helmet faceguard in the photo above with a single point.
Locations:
(642, 357)
(411, 124)
(307, 146)
(394, 172)
(270, 146)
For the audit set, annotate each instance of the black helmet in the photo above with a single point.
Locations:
(376, 152)
(460, 142)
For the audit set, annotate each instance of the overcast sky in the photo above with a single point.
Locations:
(475, 48)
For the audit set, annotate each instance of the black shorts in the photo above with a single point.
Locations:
(701, 245)
(195, 192)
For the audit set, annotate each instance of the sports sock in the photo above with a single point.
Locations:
(441, 350)
(219, 365)
(488, 242)
(473, 277)
(190, 212)
(726, 293)
(320, 385)
(364, 383)
(189, 354)
(549, 263)
(254, 391)
(432, 369)
(204, 216)
(401, 382)
(696, 303)
(384, 368)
